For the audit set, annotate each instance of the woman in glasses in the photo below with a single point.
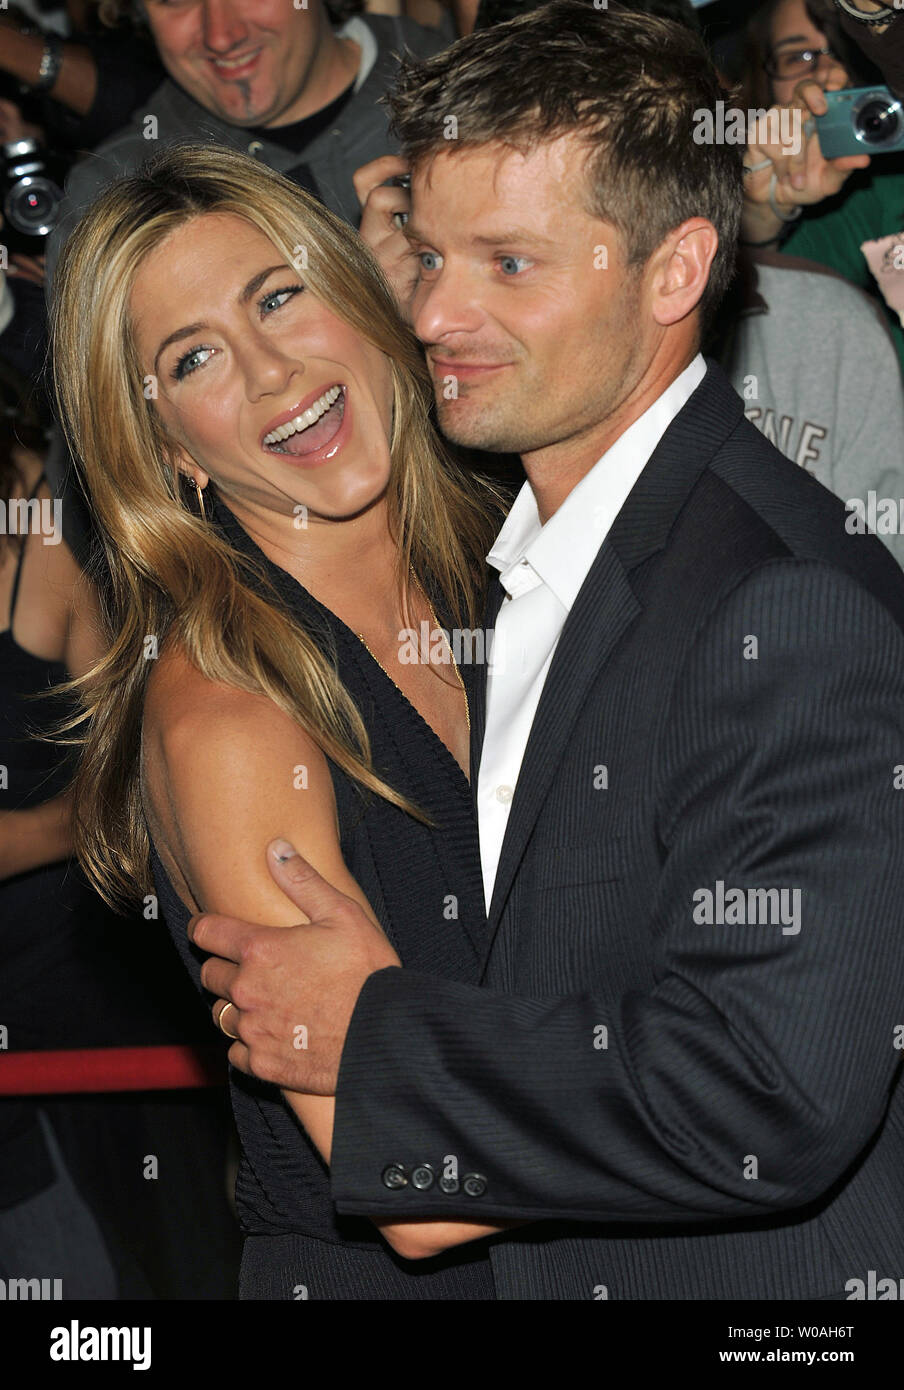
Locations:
(823, 210)
(785, 44)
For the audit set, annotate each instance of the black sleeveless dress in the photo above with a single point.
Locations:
(73, 974)
(34, 944)
(425, 887)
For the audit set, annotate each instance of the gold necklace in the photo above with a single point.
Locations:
(436, 627)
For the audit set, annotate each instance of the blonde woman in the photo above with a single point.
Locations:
(252, 419)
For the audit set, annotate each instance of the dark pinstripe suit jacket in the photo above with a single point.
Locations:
(685, 1103)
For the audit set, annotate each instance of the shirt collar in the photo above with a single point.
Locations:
(356, 30)
(562, 552)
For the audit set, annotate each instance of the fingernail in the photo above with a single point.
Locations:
(282, 850)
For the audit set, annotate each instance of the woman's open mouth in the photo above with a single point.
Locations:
(313, 429)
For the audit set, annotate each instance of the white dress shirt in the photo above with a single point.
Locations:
(542, 569)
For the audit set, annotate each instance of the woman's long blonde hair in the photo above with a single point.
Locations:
(173, 575)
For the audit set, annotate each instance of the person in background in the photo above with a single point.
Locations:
(86, 81)
(73, 1200)
(837, 411)
(845, 213)
(292, 87)
(67, 82)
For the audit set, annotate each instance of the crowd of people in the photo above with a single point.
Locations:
(324, 324)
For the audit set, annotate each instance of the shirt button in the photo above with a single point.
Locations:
(504, 794)
(475, 1185)
(395, 1176)
(253, 148)
(448, 1185)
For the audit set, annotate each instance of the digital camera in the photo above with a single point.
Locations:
(31, 191)
(861, 120)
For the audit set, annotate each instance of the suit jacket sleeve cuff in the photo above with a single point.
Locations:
(392, 1149)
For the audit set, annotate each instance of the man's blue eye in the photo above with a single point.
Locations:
(432, 258)
(510, 265)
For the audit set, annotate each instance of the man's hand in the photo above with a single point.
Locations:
(294, 988)
(382, 204)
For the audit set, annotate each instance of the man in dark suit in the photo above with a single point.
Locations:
(680, 1077)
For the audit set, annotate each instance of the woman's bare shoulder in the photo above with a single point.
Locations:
(224, 772)
(181, 698)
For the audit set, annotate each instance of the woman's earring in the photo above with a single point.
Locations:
(200, 493)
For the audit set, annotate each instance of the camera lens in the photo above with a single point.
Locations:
(31, 206)
(878, 121)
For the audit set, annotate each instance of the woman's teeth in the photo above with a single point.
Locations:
(306, 419)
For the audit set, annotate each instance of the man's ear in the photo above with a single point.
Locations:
(680, 270)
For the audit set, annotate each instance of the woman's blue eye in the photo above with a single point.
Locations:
(511, 265)
(429, 256)
(183, 368)
(186, 364)
(289, 291)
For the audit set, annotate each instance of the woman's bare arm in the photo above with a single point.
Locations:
(30, 839)
(224, 773)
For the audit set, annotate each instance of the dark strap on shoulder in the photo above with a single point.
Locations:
(18, 574)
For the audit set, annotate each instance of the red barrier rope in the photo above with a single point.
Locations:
(111, 1069)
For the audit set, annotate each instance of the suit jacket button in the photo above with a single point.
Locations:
(395, 1176)
(422, 1177)
(448, 1185)
(474, 1184)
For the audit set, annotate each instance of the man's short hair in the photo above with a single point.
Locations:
(632, 85)
(490, 12)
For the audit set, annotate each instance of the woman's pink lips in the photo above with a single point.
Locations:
(328, 451)
(299, 408)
